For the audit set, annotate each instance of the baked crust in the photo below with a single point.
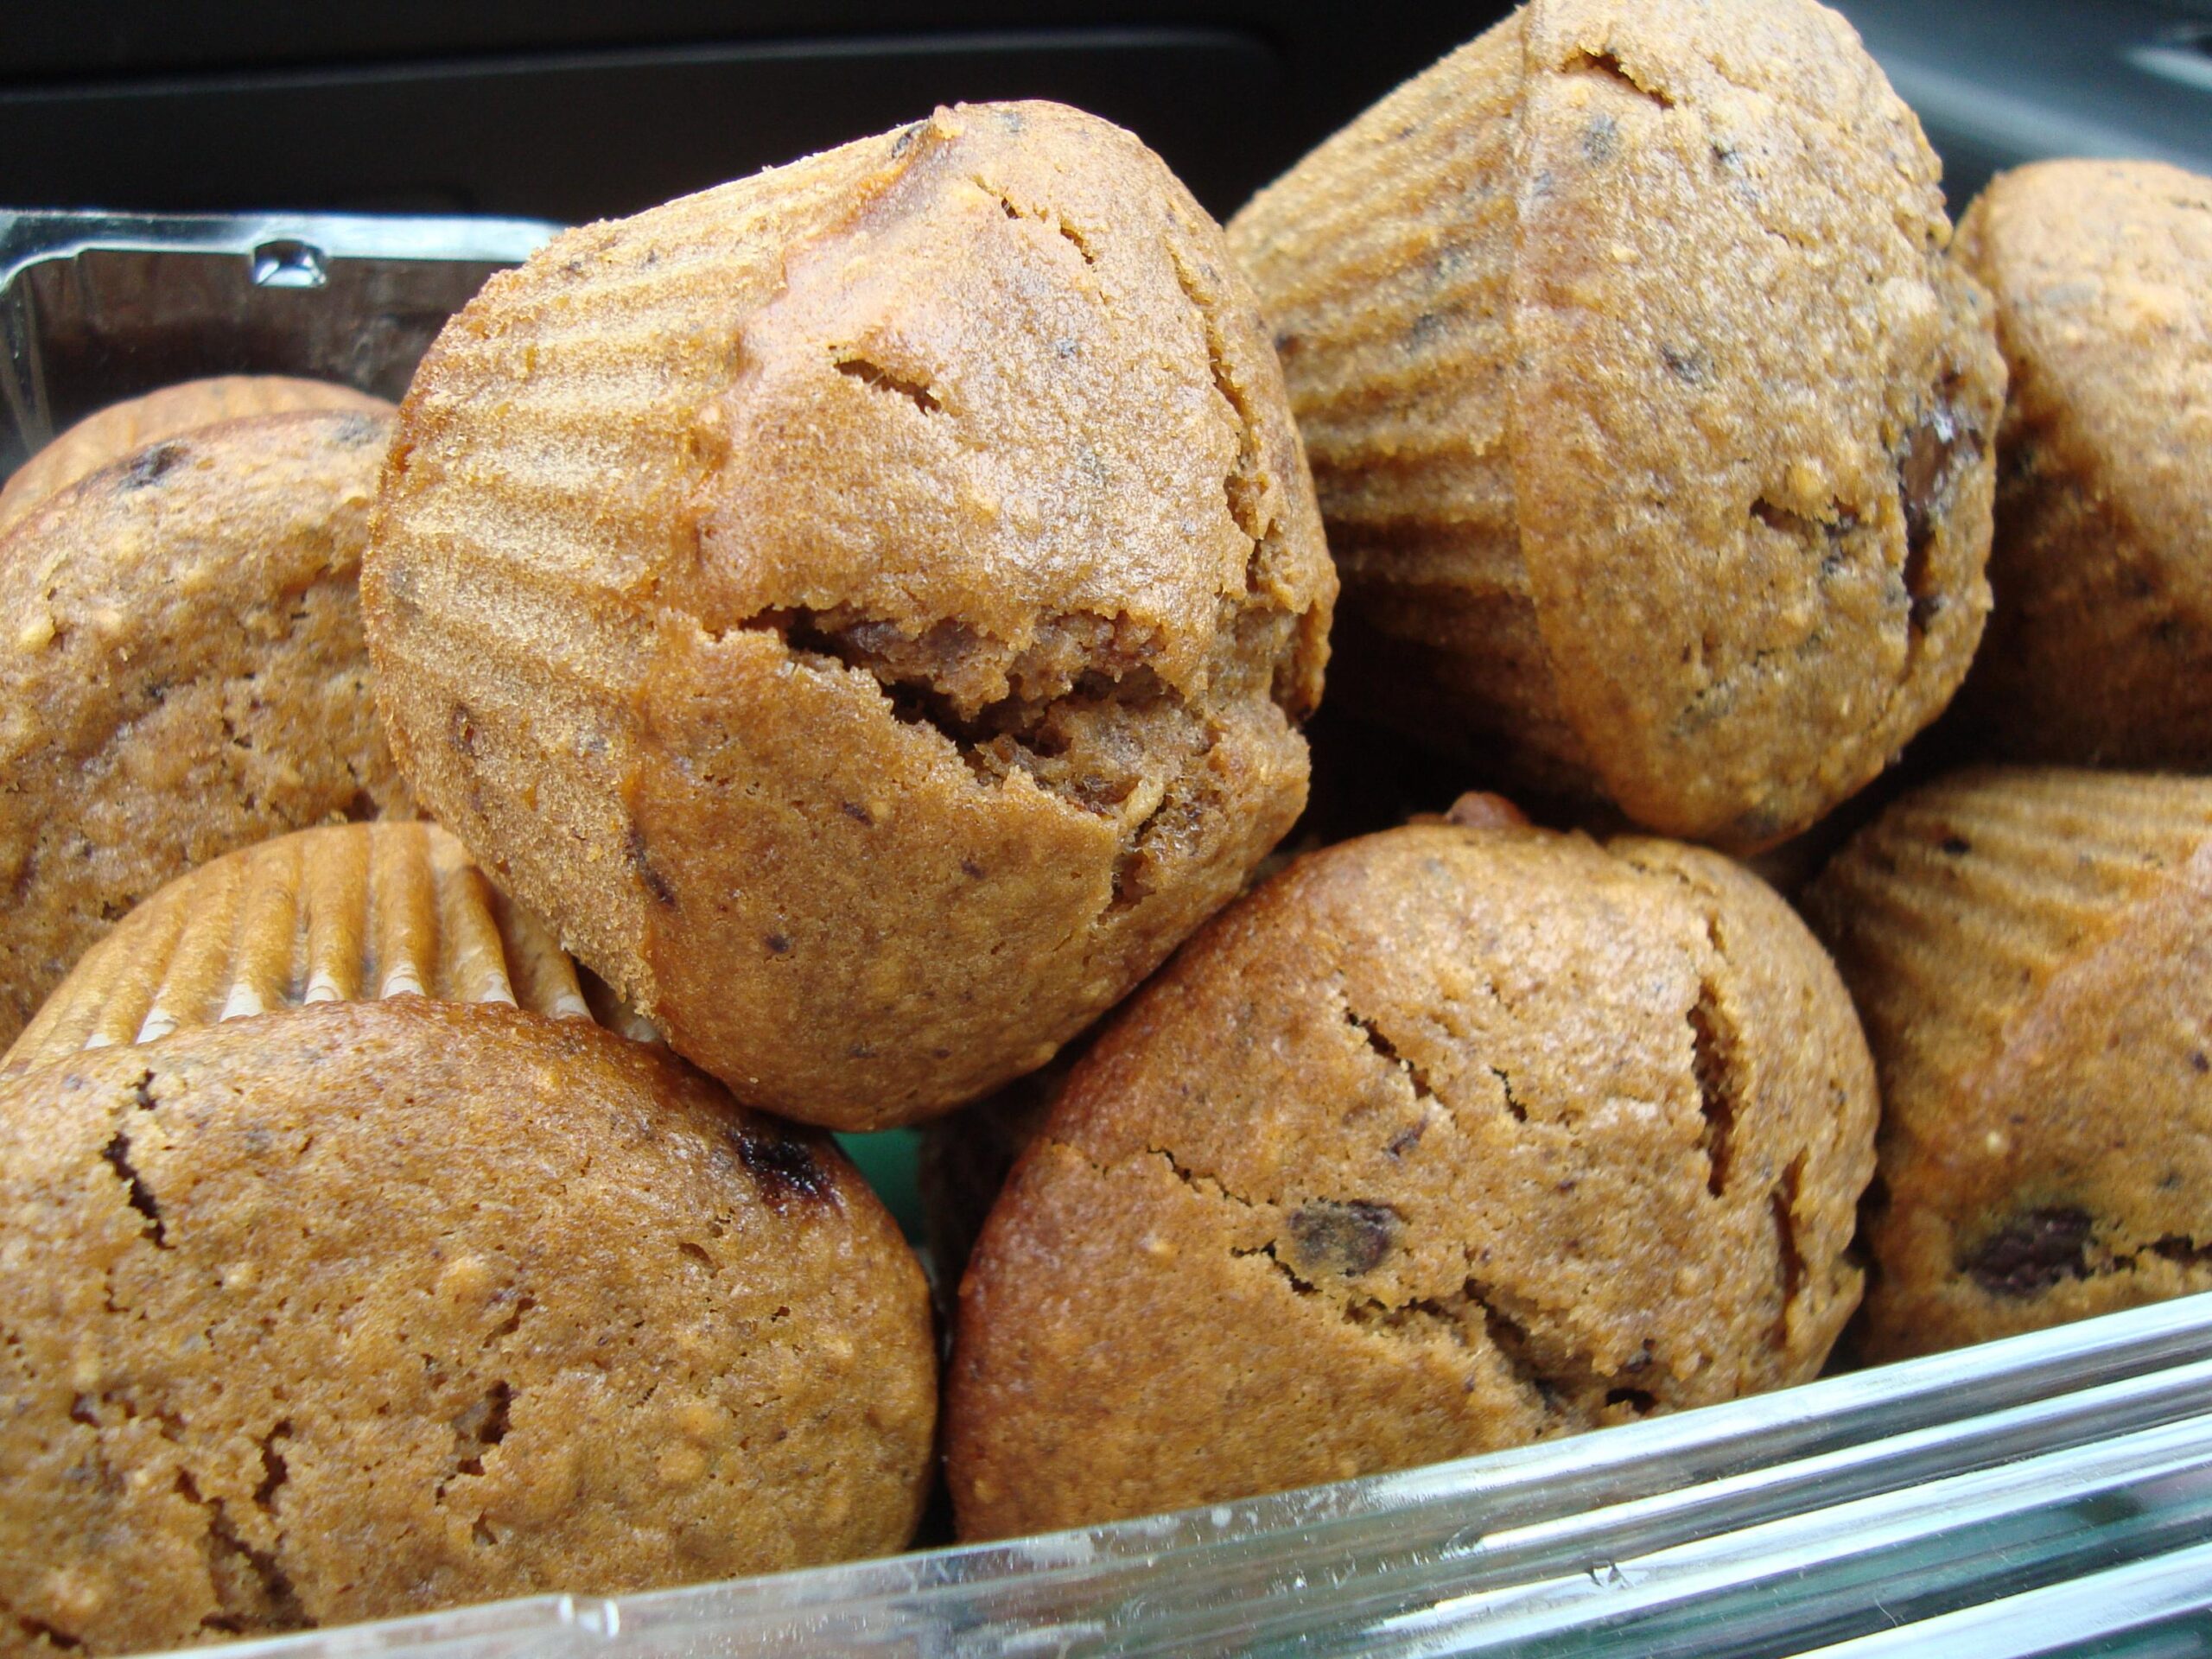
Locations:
(368, 1309)
(2030, 948)
(1444, 1139)
(866, 608)
(2101, 648)
(116, 432)
(1650, 420)
(182, 673)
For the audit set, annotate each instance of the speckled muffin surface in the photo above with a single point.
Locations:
(1651, 422)
(367, 1308)
(866, 608)
(182, 672)
(1445, 1139)
(117, 431)
(2101, 647)
(2031, 949)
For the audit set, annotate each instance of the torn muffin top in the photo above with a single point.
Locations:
(868, 607)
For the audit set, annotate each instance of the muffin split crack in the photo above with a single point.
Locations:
(1442, 1139)
(867, 608)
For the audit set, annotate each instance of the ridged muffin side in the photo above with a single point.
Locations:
(1651, 422)
(350, 912)
(1442, 1139)
(1384, 261)
(2030, 950)
(866, 608)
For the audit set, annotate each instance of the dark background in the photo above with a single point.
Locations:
(569, 110)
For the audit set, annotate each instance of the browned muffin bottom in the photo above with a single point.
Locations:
(2101, 647)
(181, 673)
(119, 430)
(1444, 1139)
(866, 608)
(1650, 422)
(369, 1308)
(2032, 950)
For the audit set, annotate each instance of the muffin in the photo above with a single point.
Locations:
(350, 912)
(1451, 1138)
(866, 608)
(121, 428)
(181, 673)
(348, 1308)
(2101, 647)
(2031, 949)
(1650, 418)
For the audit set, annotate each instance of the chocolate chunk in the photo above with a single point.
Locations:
(2031, 1253)
(633, 847)
(1689, 365)
(1936, 452)
(1350, 1238)
(1601, 139)
(1478, 810)
(151, 464)
(783, 1167)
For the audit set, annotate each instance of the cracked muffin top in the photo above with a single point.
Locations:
(367, 1308)
(181, 673)
(113, 433)
(2031, 949)
(2100, 646)
(1652, 424)
(866, 608)
(1444, 1139)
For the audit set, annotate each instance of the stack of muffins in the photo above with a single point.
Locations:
(800, 657)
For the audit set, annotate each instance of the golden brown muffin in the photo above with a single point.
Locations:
(181, 673)
(349, 913)
(2101, 647)
(962, 1161)
(1650, 421)
(2032, 950)
(1444, 1139)
(866, 608)
(121, 428)
(366, 1308)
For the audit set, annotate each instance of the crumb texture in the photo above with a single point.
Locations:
(1445, 1139)
(416, 1305)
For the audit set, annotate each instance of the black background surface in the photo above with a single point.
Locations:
(572, 110)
